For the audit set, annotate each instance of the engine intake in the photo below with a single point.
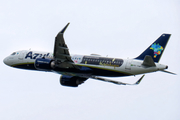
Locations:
(44, 64)
(71, 81)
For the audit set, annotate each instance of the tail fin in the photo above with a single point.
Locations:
(156, 49)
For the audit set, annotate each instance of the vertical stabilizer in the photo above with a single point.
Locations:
(156, 49)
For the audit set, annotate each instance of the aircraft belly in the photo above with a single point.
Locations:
(141, 69)
(99, 70)
(28, 66)
(95, 70)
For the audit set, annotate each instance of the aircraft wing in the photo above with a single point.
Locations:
(61, 52)
(117, 82)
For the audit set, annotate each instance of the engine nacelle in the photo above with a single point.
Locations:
(71, 81)
(44, 64)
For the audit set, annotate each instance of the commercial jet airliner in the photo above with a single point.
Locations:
(76, 69)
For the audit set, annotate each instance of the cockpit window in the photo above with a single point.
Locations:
(13, 53)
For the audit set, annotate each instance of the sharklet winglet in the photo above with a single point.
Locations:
(139, 80)
(63, 30)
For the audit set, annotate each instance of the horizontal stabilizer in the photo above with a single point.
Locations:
(148, 61)
(168, 72)
(117, 82)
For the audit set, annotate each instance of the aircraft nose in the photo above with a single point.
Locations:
(6, 61)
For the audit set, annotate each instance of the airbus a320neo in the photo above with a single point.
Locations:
(76, 69)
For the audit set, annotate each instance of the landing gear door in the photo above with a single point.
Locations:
(128, 65)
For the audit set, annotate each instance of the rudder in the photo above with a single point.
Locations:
(156, 49)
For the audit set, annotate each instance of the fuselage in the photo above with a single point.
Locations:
(88, 64)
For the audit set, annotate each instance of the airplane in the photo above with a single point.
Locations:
(76, 69)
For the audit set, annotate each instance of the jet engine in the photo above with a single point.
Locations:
(71, 81)
(44, 64)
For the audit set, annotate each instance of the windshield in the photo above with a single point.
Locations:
(13, 53)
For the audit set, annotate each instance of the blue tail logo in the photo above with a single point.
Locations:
(157, 49)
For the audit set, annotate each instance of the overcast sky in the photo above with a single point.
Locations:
(115, 28)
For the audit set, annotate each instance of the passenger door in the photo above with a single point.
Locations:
(128, 65)
(21, 55)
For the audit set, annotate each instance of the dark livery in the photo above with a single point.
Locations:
(92, 60)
